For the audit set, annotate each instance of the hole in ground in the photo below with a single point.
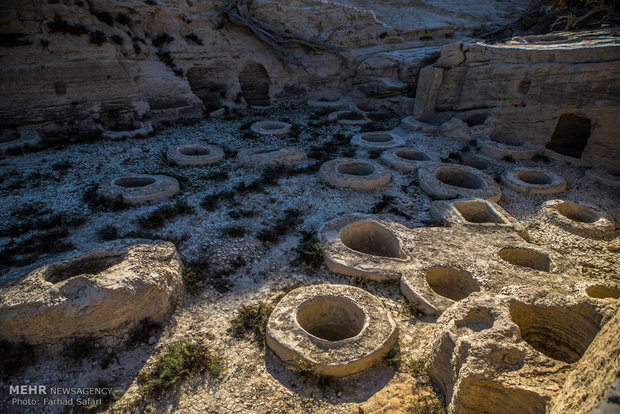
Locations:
(411, 155)
(266, 151)
(527, 258)
(451, 283)
(602, 292)
(459, 178)
(371, 238)
(88, 266)
(350, 116)
(194, 150)
(578, 213)
(331, 318)
(272, 125)
(535, 177)
(506, 141)
(477, 212)
(355, 168)
(477, 396)
(329, 99)
(560, 333)
(134, 182)
(571, 135)
(377, 137)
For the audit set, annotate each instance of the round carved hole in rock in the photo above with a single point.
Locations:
(534, 177)
(328, 98)
(411, 155)
(331, 318)
(480, 396)
(134, 182)
(88, 266)
(506, 141)
(377, 137)
(267, 151)
(459, 178)
(451, 283)
(526, 257)
(355, 168)
(477, 212)
(563, 334)
(371, 238)
(272, 125)
(602, 292)
(578, 213)
(350, 116)
(194, 151)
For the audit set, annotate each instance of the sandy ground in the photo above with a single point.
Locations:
(255, 380)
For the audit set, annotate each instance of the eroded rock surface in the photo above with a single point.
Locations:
(105, 291)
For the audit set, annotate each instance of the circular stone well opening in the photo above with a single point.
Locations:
(602, 292)
(378, 137)
(134, 182)
(535, 177)
(194, 150)
(526, 257)
(412, 155)
(578, 213)
(272, 125)
(355, 168)
(329, 99)
(371, 238)
(86, 266)
(477, 212)
(267, 151)
(331, 318)
(350, 116)
(459, 178)
(451, 283)
(563, 334)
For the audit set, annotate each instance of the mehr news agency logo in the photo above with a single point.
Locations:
(29, 395)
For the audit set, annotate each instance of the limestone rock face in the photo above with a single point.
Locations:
(105, 291)
(594, 374)
(560, 93)
(163, 61)
(512, 353)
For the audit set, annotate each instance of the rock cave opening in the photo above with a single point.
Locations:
(570, 135)
(203, 84)
(331, 318)
(451, 283)
(371, 238)
(254, 82)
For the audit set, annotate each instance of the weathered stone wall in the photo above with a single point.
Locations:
(59, 78)
(527, 85)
